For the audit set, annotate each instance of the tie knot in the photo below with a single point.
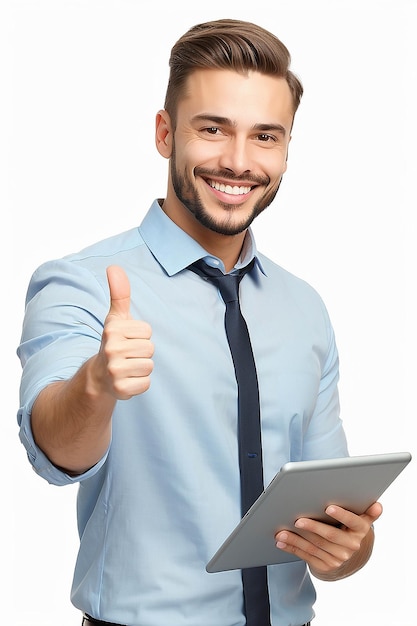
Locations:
(228, 284)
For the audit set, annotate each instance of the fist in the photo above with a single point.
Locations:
(126, 349)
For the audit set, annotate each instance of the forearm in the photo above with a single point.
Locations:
(355, 563)
(71, 420)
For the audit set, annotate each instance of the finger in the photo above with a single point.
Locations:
(333, 540)
(374, 511)
(318, 554)
(134, 379)
(119, 288)
(352, 520)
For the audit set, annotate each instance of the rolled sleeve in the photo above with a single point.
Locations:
(59, 335)
(40, 462)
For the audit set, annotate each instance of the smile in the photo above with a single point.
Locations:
(234, 191)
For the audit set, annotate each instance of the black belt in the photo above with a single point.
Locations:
(87, 619)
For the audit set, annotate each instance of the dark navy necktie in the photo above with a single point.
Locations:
(255, 585)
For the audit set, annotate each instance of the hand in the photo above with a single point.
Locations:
(328, 549)
(125, 357)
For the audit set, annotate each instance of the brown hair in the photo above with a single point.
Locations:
(228, 44)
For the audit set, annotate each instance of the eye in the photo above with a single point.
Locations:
(264, 137)
(212, 130)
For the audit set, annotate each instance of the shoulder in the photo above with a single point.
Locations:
(278, 277)
(292, 296)
(85, 271)
(121, 244)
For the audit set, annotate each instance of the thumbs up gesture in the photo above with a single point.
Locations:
(126, 349)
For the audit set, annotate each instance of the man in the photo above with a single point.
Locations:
(128, 384)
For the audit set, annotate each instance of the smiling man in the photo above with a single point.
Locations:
(129, 385)
(225, 170)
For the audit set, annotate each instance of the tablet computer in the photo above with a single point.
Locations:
(305, 489)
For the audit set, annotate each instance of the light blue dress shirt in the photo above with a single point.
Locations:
(154, 510)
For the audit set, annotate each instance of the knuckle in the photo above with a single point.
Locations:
(146, 330)
(332, 533)
(148, 350)
(113, 369)
(345, 556)
(314, 550)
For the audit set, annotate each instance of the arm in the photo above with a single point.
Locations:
(333, 552)
(71, 420)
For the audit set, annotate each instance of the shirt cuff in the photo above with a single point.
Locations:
(41, 463)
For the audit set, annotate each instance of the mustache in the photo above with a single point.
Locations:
(228, 175)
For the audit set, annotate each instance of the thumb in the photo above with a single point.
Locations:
(119, 287)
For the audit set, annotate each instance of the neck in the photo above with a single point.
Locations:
(225, 247)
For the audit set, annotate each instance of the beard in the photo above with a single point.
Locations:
(187, 194)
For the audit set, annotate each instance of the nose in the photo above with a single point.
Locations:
(235, 155)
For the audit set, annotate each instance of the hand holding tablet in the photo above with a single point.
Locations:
(305, 489)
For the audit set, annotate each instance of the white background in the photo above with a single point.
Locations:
(81, 82)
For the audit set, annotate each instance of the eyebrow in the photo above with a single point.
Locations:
(226, 121)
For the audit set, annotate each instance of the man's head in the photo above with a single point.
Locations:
(228, 45)
(226, 126)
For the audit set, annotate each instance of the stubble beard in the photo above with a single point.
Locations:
(189, 197)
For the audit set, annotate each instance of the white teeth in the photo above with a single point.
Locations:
(234, 191)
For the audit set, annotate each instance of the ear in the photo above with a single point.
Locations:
(163, 133)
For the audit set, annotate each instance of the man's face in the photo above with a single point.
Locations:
(229, 148)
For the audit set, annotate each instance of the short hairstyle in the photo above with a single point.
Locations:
(230, 45)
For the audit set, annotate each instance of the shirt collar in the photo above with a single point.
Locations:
(175, 250)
